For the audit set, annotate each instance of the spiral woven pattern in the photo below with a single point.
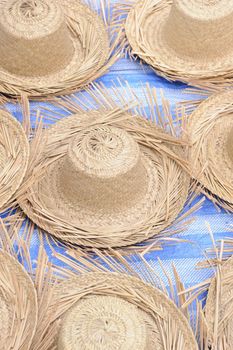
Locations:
(105, 322)
(112, 311)
(30, 18)
(14, 155)
(49, 47)
(104, 151)
(117, 204)
(18, 305)
(210, 129)
(190, 53)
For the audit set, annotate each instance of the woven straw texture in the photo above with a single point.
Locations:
(219, 307)
(108, 181)
(113, 311)
(199, 51)
(211, 133)
(50, 47)
(14, 156)
(18, 305)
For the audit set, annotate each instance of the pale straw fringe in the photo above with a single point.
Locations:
(46, 277)
(216, 316)
(213, 82)
(18, 290)
(99, 97)
(186, 108)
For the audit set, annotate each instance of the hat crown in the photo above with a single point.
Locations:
(34, 37)
(29, 8)
(201, 29)
(104, 151)
(105, 322)
(103, 170)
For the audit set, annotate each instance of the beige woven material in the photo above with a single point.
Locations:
(113, 311)
(219, 307)
(14, 156)
(110, 180)
(18, 305)
(210, 129)
(50, 46)
(184, 39)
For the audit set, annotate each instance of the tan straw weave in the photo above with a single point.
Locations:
(50, 46)
(211, 132)
(14, 156)
(18, 305)
(114, 311)
(219, 308)
(109, 180)
(188, 40)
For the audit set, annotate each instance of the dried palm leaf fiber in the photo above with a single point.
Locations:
(210, 128)
(14, 156)
(217, 316)
(52, 47)
(215, 319)
(18, 305)
(182, 39)
(219, 308)
(108, 307)
(110, 179)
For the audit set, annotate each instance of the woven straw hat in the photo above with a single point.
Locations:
(18, 305)
(110, 180)
(49, 46)
(113, 311)
(211, 133)
(14, 156)
(219, 307)
(188, 40)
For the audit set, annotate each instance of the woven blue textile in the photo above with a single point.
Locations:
(184, 255)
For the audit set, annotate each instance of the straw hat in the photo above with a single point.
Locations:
(211, 133)
(18, 305)
(109, 180)
(114, 311)
(184, 39)
(49, 46)
(219, 307)
(14, 155)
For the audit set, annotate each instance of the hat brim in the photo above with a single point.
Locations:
(221, 296)
(18, 305)
(208, 128)
(163, 201)
(157, 306)
(144, 26)
(91, 44)
(14, 156)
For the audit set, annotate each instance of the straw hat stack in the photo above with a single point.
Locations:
(211, 134)
(109, 310)
(113, 311)
(187, 40)
(49, 47)
(109, 180)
